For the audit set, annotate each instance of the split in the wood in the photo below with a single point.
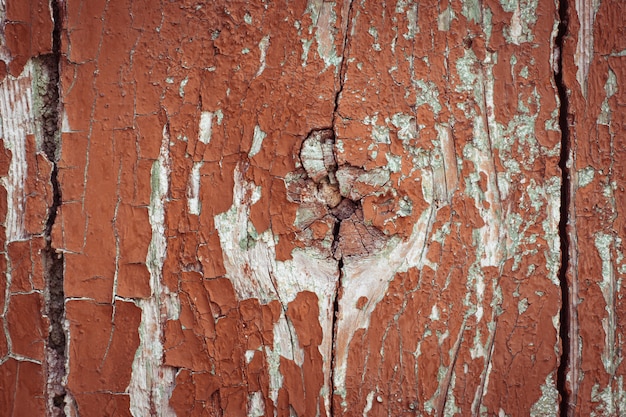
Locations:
(567, 311)
(48, 109)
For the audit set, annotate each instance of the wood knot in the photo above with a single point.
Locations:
(329, 199)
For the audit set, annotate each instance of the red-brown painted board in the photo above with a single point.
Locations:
(319, 208)
(593, 72)
(443, 146)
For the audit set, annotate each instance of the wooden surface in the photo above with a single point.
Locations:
(312, 209)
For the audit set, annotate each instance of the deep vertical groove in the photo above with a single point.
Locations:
(53, 261)
(337, 296)
(341, 74)
(334, 329)
(564, 331)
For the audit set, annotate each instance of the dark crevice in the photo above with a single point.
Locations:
(335, 245)
(339, 215)
(53, 261)
(564, 164)
(333, 363)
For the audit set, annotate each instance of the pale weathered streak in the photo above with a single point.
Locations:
(369, 277)
(152, 383)
(251, 265)
(16, 112)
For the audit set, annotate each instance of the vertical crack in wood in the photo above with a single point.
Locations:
(567, 308)
(343, 65)
(53, 261)
(334, 325)
(337, 226)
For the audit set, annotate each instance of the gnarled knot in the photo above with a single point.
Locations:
(330, 215)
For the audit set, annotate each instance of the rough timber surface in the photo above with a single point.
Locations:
(311, 208)
(594, 62)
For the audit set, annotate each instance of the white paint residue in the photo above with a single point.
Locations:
(548, 404)
(263, 44)
(480, 152)
(415, 253)
(16, 111)
(451, 408)
(307, 272)
(368, 403)
(256, 405)
(273, 369)
(406, 125)
(285, 335)
(250, 355)
(374, 34)
(610, 400)
(238, 251)
(515, 30)
(65, 123)
(493, 249)
(444, 19)
(151, 383)
(193, 190)
(522, 21)
(551, 227)
(206, 122)
(585, 176)
(412, 26)
(251, 265)
(610, 88)
(610, 356)
(181, 88)
(285, 345)
(434, 313)
(394, 162)
(257, 141)
(478, 349)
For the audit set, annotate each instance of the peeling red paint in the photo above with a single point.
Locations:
(315, 208)
(593, 51)
(27, 33)
(22, 383)
(99, 337)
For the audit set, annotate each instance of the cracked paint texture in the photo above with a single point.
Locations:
(314, 208)
(595, 78)
(457, 120)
